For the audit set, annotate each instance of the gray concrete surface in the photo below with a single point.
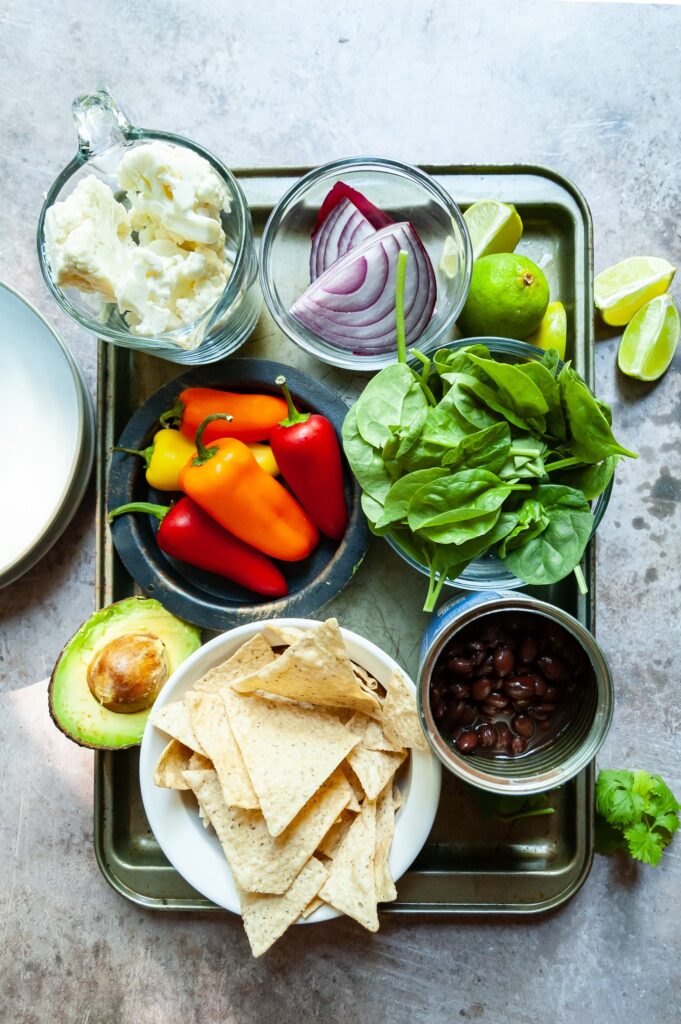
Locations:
(590, 89)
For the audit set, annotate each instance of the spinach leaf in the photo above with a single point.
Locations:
(464, 495)
(401, 493)
(380, 405)
(591, 480)
(413, 418)
(444, 423)
(550, 389)
(557, 550)
(365, 462)
(372, 509)
(591, 437)
(532, 520)
(517, 389)
(458, 360)
(486, 449)
(461, 531)
(479, 404)
(550, 360)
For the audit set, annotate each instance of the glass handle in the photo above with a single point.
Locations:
(100, 123)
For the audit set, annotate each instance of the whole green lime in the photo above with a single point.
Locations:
(508, 297)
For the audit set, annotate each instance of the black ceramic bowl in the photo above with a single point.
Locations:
(201, 597)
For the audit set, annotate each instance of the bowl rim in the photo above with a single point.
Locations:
(165, 340)
(414, 818)
(300, 335)
(509, 581)
(474, 606)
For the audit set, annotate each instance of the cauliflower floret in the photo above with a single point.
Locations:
(166, 287)
(174, 191)
(87, 238)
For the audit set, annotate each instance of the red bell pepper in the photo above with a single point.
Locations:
(307, 453)
(190, 535)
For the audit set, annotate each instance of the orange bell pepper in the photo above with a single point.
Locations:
(248, 417)
(228, 484)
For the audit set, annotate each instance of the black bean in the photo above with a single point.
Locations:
(522, 705)
(487, 735)
(546, 706)
(504, 736)
(487, 667)
(468, 714)
(488, 710)
(518, 688)
(539, 684)
(460, 666)
(477, 658)
(523, 725)
(529, 649)
(459, 691)
(552, 693)
(481, 688)
(518, 745)
(497, 700)
(504, 661)
(467, 741)
(553, 668)
(438, 710)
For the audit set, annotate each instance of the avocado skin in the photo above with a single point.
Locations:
(68, 688)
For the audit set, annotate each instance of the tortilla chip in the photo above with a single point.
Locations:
(259, 862)
(351, 885)
(385, 827)
(365, 677)
(266, 918)
(316, 669)
(282, 636)
(336, 834)
(208, 717)
(288, 750)
(251, 656)
(174, 719)
(315, 904)
(172, 762)
(199, 763)
(374, 768)
(371, 733)
(400, 718)
(397, 797)
(356, 786)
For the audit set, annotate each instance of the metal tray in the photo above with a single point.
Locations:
(470, 864)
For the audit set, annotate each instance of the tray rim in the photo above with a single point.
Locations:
(105, 356)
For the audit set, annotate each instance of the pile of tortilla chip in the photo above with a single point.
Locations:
(291, 751)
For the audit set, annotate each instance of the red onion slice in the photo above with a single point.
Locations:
(376, 217)
(352, 303)
(344, 228)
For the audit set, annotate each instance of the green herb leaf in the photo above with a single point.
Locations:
(644, 844)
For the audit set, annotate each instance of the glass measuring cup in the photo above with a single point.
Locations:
(105, 135)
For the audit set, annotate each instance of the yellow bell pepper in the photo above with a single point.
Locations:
(168, 453)
(264, 458)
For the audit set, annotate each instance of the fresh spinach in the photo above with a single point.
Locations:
(557, 549)
(591, 437)
(590, 480)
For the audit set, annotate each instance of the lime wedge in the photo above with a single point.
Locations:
(620, 291)
(552, 331)
(493, 227)
(649, 342)
(449, 262)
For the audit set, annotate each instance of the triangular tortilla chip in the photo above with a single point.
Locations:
(251, 656)
(174, 719)
(282, 636)
(351, 885)
(199, 763)
(208, 717)
(385, 827)
(315, 904)
(336, 834)
(316, 669)
(400, 718)
(374, 768)
(371, 732)
(172, 762)
(266, 918)
(259, 862)
(288, 750)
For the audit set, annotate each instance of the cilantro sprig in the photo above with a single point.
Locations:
(637, 812)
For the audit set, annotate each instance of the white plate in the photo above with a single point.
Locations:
(46, 432)
(195, 852)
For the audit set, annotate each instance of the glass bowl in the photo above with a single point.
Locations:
(550, 764)
(488, 572)
(104, 136)
(404, 192)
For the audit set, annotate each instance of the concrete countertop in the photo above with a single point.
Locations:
(588, 89)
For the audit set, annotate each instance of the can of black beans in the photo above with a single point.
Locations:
(515, 695)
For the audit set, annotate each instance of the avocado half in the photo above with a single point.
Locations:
(120, 658)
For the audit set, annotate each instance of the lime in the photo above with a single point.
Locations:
(493, 227)
(508, 297)
(552, 331)
(649, 342)
(620, 291)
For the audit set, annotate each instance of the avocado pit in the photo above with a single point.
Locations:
(127, 674)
